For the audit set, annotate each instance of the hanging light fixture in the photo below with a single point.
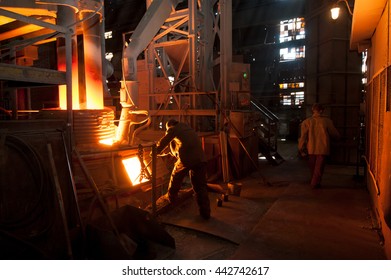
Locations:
(335, 9)
(335, 12)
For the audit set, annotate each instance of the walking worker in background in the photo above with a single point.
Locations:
(314, 141)
(186, 146)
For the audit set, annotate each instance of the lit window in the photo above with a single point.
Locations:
(291, 85)
(298, 37)
(292, 99)
(108, 34)
(292, 53)
(292, 29)
(284, 86)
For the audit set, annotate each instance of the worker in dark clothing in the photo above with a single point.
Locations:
(186, 146)
(314, 141)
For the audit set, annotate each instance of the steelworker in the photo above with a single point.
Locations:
(314, 141)
(186, 146)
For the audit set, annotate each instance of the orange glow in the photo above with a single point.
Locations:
(5, 20)
(108, 142)
(133, 169)
(28, 12)
(62, 90)
(93, 70)
(21, 30)
(94, 90)
(93, 82)
(94, 94)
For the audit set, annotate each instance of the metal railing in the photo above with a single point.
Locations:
(267, 128)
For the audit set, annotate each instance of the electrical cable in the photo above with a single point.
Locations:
(37, 208)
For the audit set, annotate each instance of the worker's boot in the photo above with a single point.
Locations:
(205, 214)
(204, 207)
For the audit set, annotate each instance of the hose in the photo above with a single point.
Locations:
(35, 208)
(147, 122)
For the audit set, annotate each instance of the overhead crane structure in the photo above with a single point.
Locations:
(184, 53)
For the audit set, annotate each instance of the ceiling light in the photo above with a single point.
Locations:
(335, 9)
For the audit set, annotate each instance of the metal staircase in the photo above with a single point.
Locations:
(266, 130)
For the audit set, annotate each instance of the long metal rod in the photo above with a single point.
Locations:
(60, 200)
(68, 75)
(125, 149)
(153, 179)
(192, 44)
(69, 164)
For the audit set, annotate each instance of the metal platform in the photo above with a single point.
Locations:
(233, 221)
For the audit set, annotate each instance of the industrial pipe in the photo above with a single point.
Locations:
(92, 62)
(147, 120)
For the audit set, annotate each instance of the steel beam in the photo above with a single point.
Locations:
(31, 74)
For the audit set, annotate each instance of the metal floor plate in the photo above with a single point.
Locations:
(233, 221)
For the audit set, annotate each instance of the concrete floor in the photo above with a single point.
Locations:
(279, 217)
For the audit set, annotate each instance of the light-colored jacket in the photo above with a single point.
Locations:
(316, 132)
(185, 144)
